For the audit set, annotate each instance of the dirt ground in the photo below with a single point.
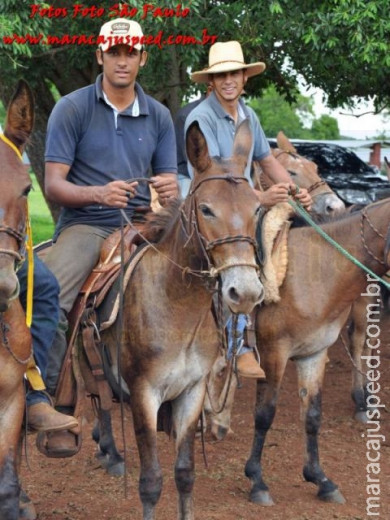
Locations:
(78, 489)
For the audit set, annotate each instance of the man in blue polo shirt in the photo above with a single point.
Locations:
(218, 117)
(99, 138)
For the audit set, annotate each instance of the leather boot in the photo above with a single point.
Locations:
(247, 366)
(41, 417)
(59, 444)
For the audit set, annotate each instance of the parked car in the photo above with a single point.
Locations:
(354, 181)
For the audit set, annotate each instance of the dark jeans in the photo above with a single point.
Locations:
(242, 322)
(45, 316)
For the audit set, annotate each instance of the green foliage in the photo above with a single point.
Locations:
(340, 46)
(346, 48)
(43, 228)
(325, 127)
(276, 114)
(15, 20)
(41, 220)
(3, 114)
(295, 119)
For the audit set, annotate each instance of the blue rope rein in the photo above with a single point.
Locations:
(304, 214)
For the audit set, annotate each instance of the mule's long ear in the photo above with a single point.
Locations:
(197, 151)
(284, 143)
(242, 143)
(20, 115)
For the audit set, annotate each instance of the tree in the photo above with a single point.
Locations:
(349, 44)
(325, 127)
(67, 67)
(276, 114)
(295, 119)
(340, 46)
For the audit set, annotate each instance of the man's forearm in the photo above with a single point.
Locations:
(72, 196)
(274, 170)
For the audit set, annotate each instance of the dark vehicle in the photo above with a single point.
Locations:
(354, 181)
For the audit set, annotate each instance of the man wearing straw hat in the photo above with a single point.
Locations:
(218, 117)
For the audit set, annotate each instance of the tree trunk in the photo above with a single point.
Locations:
(44, 103)
(171, 95)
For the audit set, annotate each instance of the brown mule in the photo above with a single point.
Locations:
(169, 338)
(15, 339)
(305, 174)
(316, 297)
(325, 202)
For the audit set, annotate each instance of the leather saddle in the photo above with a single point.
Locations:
(100, 291)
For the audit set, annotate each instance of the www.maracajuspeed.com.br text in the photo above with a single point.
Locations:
(160, 39)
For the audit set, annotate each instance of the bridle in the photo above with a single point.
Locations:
(17, 235)
(20, 239)
(19, 257)
(190, 220)
(311, 189)
(378, 233)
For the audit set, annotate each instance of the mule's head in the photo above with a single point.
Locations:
(305, 174)
(227, 211)
(219, 398)
(15, 184)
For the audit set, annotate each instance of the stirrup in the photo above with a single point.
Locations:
(43, 445)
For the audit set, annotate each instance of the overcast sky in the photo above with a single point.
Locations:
(365, 126)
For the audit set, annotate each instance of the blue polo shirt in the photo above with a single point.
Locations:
(219, 129)
(83, 133)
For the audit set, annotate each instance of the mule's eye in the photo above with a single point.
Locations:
(292, 174)
(206, 211)
(27, 190)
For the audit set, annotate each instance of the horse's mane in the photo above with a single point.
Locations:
(298, 221)
(160, 223)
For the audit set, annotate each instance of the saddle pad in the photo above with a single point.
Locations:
(275, 229)
(109, 308)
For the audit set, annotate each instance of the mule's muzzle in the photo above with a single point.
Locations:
(327, 204)
(242, 289)
(9, 290)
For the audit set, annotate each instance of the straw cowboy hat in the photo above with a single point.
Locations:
(226, 57)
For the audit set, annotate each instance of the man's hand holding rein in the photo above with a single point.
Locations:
(166, 186)
(116, 193)
(301, 195)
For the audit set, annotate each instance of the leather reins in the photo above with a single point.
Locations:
(19, 257)
(378, 233)
(311, 189)
(19, 237)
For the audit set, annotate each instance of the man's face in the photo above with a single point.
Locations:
(228, 86)
(121, 65)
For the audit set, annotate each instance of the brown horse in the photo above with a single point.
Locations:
(15, 340)
(170, 337)
(316, 298)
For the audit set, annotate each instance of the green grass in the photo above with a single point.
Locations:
(41, 221)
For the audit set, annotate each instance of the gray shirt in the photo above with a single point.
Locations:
(101, 146)
(219, 129)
